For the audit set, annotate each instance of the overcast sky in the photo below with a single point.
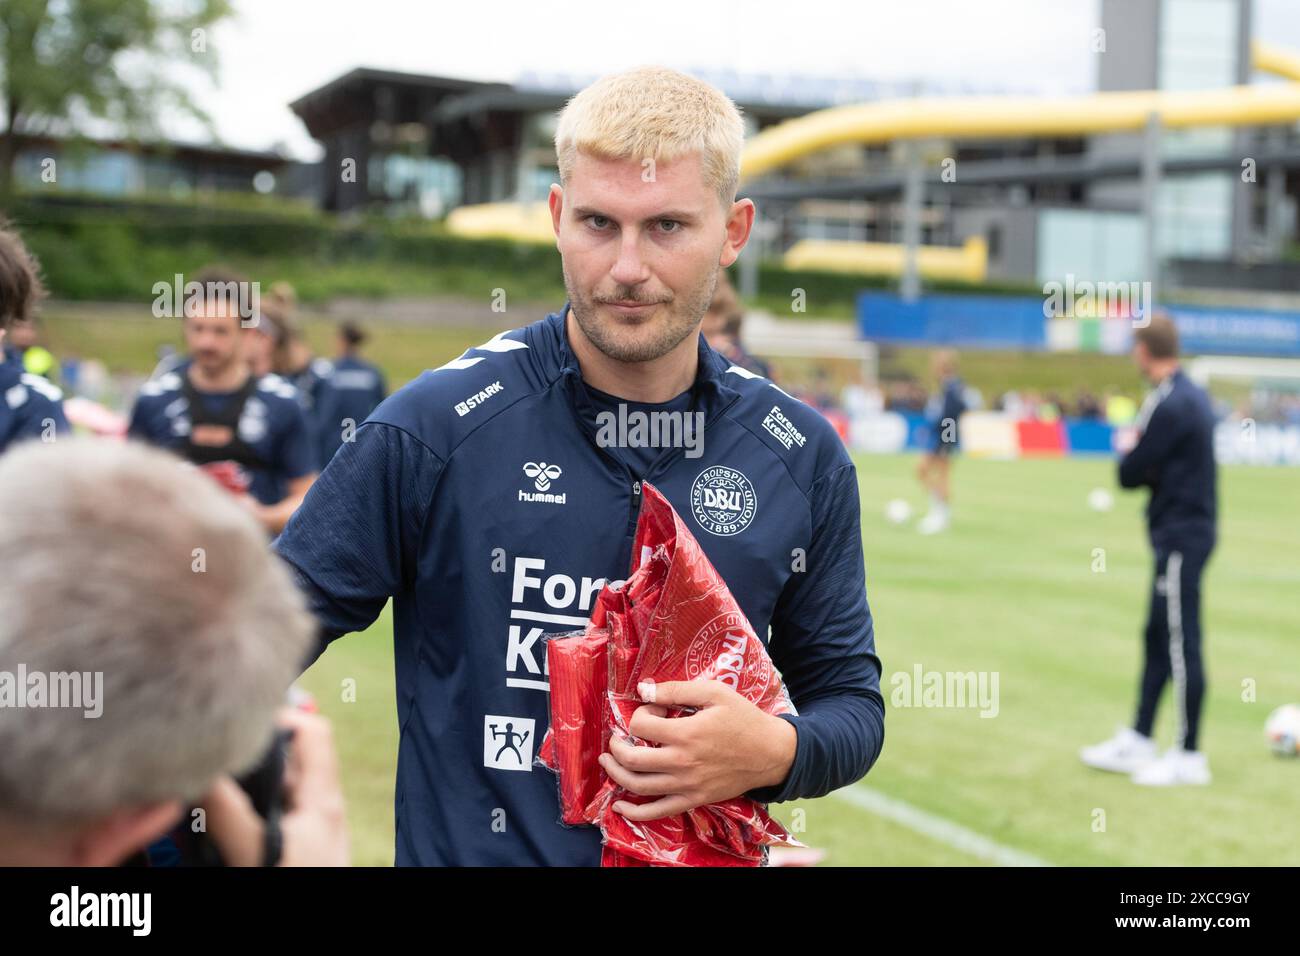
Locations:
(277, 50)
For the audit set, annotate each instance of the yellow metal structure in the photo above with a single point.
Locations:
(966, 263)
(522, 222)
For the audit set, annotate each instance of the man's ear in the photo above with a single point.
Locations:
(556, 202)
(739, 224)
(111, 839)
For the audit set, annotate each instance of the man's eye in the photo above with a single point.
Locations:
(598, 221)
(666, 223)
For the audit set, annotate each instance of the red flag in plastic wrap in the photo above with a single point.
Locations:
(673, 620)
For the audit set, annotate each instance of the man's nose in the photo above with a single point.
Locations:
(630, 268)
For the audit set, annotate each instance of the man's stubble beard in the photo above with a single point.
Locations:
(683, 318)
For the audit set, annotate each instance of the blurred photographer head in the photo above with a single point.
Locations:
(144, 578)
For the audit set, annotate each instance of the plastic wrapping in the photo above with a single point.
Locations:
(673, 620)
(578, 680)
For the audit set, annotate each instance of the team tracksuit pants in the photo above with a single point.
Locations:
(1173, 640)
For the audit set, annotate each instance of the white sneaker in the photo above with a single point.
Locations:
(1124, 753)
(933, 523)
(1174, 768)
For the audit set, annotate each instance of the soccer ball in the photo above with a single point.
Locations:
(1282, 730)
(1099, 499)
(898, 511)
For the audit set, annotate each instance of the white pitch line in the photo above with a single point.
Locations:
(936, 828)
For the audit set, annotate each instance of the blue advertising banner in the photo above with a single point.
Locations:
(1228, 330)
(1018, 322)
(977, 321)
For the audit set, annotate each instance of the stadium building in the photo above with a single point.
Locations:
(991, 204)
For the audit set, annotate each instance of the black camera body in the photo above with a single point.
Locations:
(264, 785)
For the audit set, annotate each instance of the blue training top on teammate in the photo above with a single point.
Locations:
(356, 388)
(480, 498)
(272, 426)
(1174, 456)
(30, 407)
(315, 395)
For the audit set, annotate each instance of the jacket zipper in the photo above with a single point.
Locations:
(634, 483)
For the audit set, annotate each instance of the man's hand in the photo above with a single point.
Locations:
(727, 748)
(313, 825)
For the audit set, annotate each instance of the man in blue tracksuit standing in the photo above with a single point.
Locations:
(943, 416)
(1174, 457)
(489, 501)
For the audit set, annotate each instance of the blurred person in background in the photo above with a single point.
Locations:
(294, 359)
(1053, 407)
(1086, 405)
(356, 388)
(722, 325)
(30, 407)
(262, 342)
(1174, 457)
(296, 362)
(215, 411)
(943, 412)
(1120, 410)
(171, 680)
(263, 338)
(24, 342)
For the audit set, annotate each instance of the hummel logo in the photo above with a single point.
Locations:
(465, 407)
(542, 473)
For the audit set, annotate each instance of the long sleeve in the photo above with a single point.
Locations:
(354, 541)
(1162, 432)
(823, 642)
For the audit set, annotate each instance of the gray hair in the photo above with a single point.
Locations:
(121, 560)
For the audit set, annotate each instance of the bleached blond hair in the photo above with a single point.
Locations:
(652, 112)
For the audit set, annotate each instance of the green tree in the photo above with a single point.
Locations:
(63, 62)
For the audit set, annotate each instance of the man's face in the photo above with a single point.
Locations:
(259, 350)
(641, 258)
(213, 336)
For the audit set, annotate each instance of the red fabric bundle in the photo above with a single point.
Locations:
(673, 620)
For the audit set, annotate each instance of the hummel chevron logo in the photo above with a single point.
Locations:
(543, 473)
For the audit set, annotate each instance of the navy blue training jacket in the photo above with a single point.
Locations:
(1174, 457)
(479, 498)
(30, 407)
(355, 388)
